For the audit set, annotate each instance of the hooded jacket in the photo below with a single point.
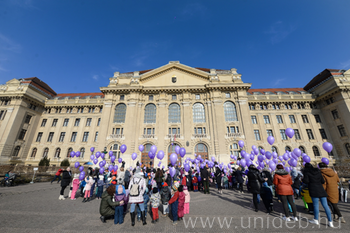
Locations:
(107, 204)
(239, 177)
(283, 181)
(254, 180)
(313, 177)
(165, 195)
(266, 174)
(138, 179)
(66, 178)
(331, 184)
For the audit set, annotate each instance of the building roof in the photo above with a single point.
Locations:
(198, 68)
(325, 74)
(40, 85)
(276, 90)
(80, 95)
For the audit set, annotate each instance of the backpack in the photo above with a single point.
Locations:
(135, 189)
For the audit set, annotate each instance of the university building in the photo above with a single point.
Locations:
(206, 111)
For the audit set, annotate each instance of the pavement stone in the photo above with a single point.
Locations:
(36, 208)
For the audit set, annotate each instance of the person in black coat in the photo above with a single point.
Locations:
(239, 178)
(218, 176)
(189, 180)
(205, 178)
(314, 179)
(254, 181)
(66, 179)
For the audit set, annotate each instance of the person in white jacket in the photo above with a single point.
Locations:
(137, 187)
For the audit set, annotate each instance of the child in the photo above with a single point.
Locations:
(119, 210)
(195, 184)
(127, 192)
(174, 202)
(229, 181)
(75, 183)
(89, 182)
(82, 187)
(266, 196)
(225, 181)
(187, 201)
(165, 197)
(100, 185)
(145, 202)
(155, 200)
(307, 199)
(181, 205)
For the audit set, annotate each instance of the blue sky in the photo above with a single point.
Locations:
(75, 46)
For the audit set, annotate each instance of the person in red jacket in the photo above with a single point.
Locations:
(174, 202)
(283, 182)
(195, 183)
(57, 175)
(181, 205)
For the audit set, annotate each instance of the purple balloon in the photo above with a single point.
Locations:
(153, 149)
(81, 168)
(92, 157)
(110, 153)
(297, 152)
(306, 159)
(172, 171)
(98, 154)
(262, 151)
(272, 165)
(253, 147)
(327, 147)
(325, 160)
(77, 164)
(182, 152)
(241, 143)
(290, 132)
(72, 154)
(293, 162)
(239, 162)
(112, 158)
(160, 155)
(102, 155)
(81, 177)
(285, 156)
(243, 163)
(100, 164)
(177, 149)
(212, 158)
(104, 162)
(77, 154)
(122, 148)
(268, 154)
(261, 164)
(256, 151)
(260, 158)
(151, 155)
(252, 157)
(141, 148)
(95, 161)
(173, 158)
(243, 152)
(270, 140)
(102, 170)
(275, 160)
(133, 156)
(115, 168)
(92, 149)
(248, 163)
(232, 156)
(110, 168)
(274, 155)
(120, 160)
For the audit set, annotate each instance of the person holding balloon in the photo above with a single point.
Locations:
(254, 182)
(75, 187)
(66, 179)
(205, 178)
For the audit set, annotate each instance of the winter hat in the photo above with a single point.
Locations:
(175, 185)
(185, 187)
(164, 184)
(138, 170)
(181, 188)
(280, 166)
(76, 176)
(155, 190)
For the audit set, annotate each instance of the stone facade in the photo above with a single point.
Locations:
(206, 111)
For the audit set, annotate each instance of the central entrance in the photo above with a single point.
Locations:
(145, 160)
(171, 149)
(202, 150)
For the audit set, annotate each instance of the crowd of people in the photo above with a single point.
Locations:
(157, 190)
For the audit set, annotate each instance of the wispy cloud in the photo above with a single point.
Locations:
(95, 77)
(345, 65)
(280, 31)
(9, 45)
(277, 82)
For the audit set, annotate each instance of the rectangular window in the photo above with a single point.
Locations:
(269, 132)
(323, 134)
(38, 138)
(279, 119)
(266, 119)
(2, 114)
(27, 120)
(237, 129)
(228, 95)
(173, 97)
(305, 119)
(251, 107)
(122, 97)
(88, 122)
(297, 134)
(283, 134)
(195, 130)
(43, 123)
(77, 121)
(254, 120)
(54, 122)
(198, 96)
(257, 135)
(149, 130)
(200, 130)
(150, 97)
(22, 134)
(49, 139)
(65, 122)
(85, 136)
(96, 136)
(335, 114)
(310, 134)
(342, 130)
(98, 121)
(117, 130)
(63, 134)
(74, 137)
(317, 118)
(330, 101)
(291, 118)
(232, 129)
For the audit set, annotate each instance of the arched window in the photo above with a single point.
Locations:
(34, 152)
(116, 150)
(234, 149)
(150, 113)
(259, 148)
(171, 149)
(315, 150)
(174, 115)
(302, 149)
(274, 149)
(202, 150)
(145, 160)
(347, 147)
(287, 148)
(16, 151)
(46, 152)
(119, 114)
(82, 152)
(58, 152)
(70, 149)
(198, 113)
(230, 111)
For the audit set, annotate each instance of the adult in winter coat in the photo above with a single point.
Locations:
(137, 180)
(205, 178)
(57, 175)
(313, 177)
(66, 179)
(127, 176)
(107, 205)
(239, 178)
(189, 179)
(218, 177)
(266, 174)
(283, 182)
(331, 186)
(254, 182)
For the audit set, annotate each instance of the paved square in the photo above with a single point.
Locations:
(36, 208)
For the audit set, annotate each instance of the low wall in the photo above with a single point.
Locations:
(28, 170)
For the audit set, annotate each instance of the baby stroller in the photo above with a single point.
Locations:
(10, 181)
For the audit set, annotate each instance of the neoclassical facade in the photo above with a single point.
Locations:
(206, 111)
